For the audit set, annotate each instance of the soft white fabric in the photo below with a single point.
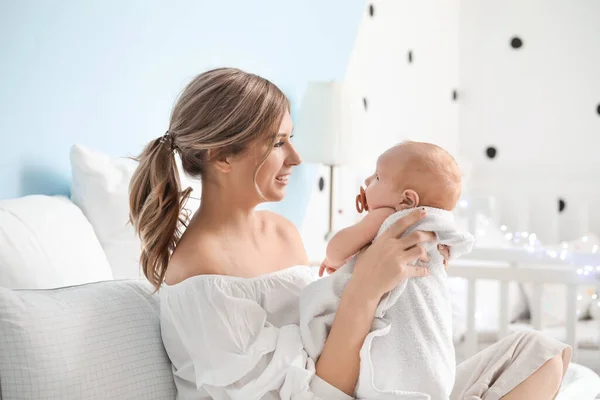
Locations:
(234, 338)
(46, 242)
(101, 189)
(99, 341)
(409, 353)
(579, 383)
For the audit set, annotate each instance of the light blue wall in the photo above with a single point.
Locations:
(105, 73)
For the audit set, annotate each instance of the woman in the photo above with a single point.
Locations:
(229, 285)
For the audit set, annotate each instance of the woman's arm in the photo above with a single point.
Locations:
(339, 362)
(378, 270)
(352, 324)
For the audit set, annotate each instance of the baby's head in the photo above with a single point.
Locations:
(414, 174)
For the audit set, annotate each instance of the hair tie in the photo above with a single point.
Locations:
(168, 137)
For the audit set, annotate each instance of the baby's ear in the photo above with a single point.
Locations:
(409, 199)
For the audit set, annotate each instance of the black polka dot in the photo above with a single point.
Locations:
(516, 42)
(365, 103)
(561, 205)
(491, 152)
(410, 56)
(598, 109)
(321, 184)
(454, 95)
(371, 10)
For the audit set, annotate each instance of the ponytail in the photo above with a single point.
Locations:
(223, 110)
(155, 204)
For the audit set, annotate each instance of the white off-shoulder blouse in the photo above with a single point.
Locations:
(238, 338)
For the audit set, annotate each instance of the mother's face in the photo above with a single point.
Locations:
(273, 176)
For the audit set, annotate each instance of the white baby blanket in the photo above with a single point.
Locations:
(408, 353)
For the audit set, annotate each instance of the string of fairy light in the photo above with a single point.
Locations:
(531, 242)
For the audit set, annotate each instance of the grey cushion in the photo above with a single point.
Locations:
(94, 341)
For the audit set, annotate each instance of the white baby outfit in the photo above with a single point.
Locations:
(409, 352)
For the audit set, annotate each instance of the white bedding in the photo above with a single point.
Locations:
(580, 383)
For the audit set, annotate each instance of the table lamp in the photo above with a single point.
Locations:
(330, 128)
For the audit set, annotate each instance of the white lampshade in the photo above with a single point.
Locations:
(330, 126)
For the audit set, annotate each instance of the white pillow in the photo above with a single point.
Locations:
(96, 341)
(101, 189)
(46, 242)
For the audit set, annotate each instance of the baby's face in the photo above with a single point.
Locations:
(383, 186)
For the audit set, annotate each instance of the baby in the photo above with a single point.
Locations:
(409, 353)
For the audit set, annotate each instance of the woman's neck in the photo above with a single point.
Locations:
(222, 211)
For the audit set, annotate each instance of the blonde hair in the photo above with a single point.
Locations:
(218, 114)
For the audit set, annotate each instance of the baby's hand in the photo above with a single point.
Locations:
(326, 266)
(331, 267)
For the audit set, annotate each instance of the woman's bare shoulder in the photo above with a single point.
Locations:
(281, 225)
(289, 235)
(200, 257)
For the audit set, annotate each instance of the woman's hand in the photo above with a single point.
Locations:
(385, 264)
